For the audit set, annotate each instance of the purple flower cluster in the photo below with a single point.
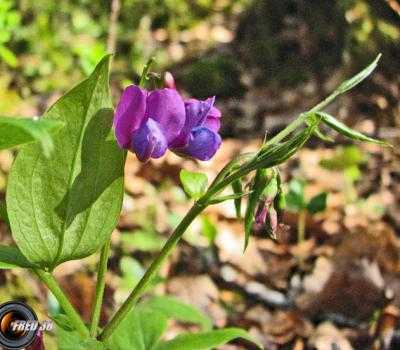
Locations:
(148, 123)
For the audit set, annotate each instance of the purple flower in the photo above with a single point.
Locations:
(150, 123)
(147, 123)
(198, 137)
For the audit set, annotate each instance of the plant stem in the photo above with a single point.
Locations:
(151, 272)
(62, 299)
(113, 26)
(101, 280)
(289, 129)
(196, 209)
(302, 118)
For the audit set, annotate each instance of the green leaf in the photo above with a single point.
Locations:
(142, 329)
(209, 230)
(358, 78)
(295, 199)
(346, 131)
(68, 340)
(143, 240)
(317, 203)
(317, 132)
(132, 272)
(11, 257)
(63, 322)
(274, 154)
(16, 131)
(177, 310)
(8, 56)
(206, 340)
(237, 189)
(353, 173)
(3, 214)
(228, 197)
(194, 184)
(65, 207)
(345, 157)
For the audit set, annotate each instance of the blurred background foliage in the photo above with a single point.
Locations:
(212, 45)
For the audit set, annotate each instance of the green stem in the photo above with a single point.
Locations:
(233, 171)
(146, 68)
(289, 129)
(62, 299)
(150, 273)
(101, 280)
(302, 118)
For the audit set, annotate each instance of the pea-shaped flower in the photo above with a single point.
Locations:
(150, 123)
(198, 137)
(147, 123)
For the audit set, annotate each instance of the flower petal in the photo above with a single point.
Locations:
(129, 114)
(212, 123)
(203, 143)
(196, 113)
(166, 107)
(149, 141)
(261, 213)
(214, 111)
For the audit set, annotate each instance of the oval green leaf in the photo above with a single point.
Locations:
(66, 206)
(175, 309)
(317, 203)
(11, 257)
(194, 184)
(17, 131)
(3, 214)
(207, 340)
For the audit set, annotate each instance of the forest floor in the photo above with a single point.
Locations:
(339, 288)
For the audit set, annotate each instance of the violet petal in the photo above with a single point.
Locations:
(261, 213)
(196, 114)
(149, 141)
(203, 143)
(129, 114)
(212, 123)
(166, 107)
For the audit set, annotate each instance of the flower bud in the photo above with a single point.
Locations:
(280, 199)
(265, 200)
(169, 80)
(280, 203)
(257, 186)
(270, 190)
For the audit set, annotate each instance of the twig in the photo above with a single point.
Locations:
(113, 25)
